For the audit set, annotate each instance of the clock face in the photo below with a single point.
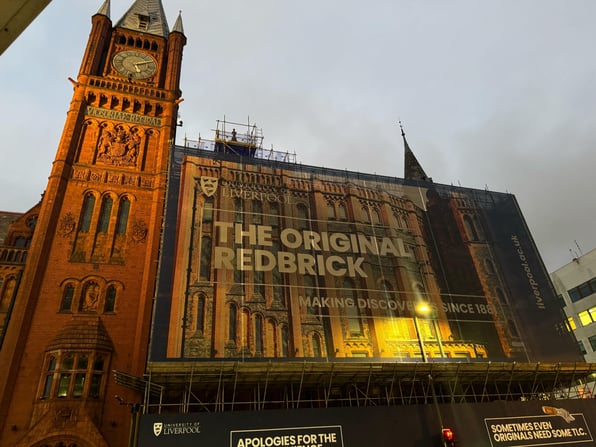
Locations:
(134, 64)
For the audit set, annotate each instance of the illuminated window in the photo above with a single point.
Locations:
(585, 318)
(571, 324)
(73, 375)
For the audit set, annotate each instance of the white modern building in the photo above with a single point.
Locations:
(575, 284)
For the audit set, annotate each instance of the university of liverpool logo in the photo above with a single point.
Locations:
(157, 427)
(209, 185)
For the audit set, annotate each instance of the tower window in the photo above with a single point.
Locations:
(66, 302)
(110, 303)
(104, 215)
(87, 213)
(123, 216)
(143, 21)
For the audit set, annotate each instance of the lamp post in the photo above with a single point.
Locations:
(421, 309)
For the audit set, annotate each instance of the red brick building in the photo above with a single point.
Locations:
(84, 299)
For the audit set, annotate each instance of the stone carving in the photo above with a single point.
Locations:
(67, 225)
(139, 231)
(91, 297)
(119, 146)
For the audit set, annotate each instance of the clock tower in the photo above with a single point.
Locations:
(84, 303)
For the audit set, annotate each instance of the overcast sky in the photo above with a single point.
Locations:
(495, 93)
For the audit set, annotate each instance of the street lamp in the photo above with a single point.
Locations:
(422, 309)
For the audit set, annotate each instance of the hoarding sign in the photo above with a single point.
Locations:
(284, 261)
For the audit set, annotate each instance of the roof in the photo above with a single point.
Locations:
(146, 16)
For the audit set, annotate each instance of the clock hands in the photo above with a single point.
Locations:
(136, 64)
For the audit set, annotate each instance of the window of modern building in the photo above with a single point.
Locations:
(592, 340)
(583, 290)
(582, 348)
(571, 324)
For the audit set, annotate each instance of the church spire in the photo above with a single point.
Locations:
(104, 10)
(146, 16)
(178, 24)
(412, 168)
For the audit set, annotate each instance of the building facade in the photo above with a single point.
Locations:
(575, 284)
(83, 306)
(217, 277)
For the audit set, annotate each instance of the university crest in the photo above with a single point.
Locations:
(157, 427)
(208, 185)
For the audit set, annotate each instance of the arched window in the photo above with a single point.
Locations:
(67, 296)
(205, 269)
(274, 214)
(123, 211)
(316, 345)
(237, 210)
(87, 213)
(201, 314)
(285, 347)
(104, 215)
(470, 228)
(310, 292)
(258, 335)
(257, 212)
(110, 302)
(232, 321)
(365, 215)
(302, 215)
(330, 210)
(20, 242)
(490, 267)
(341, 211)
(259, 283)
(388, 298)
(208, 210)
(355, 328)
(376, 216)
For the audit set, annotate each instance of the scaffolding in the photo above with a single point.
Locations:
(184, 387)
(238, 139)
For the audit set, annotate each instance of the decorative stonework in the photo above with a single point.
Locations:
(65, 416)
(67, 225)
(139, 231)
(119, 147)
